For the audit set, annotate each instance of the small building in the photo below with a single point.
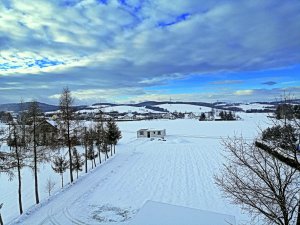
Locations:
(189, 115)
(128, 116)
(168, 115)
(47, 131)
(151, 133)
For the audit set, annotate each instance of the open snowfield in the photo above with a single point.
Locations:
(120, 109)
(176, 171)
(185, 108)
(258, 106)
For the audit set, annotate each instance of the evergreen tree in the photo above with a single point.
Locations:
(222, 115)
(104, 147)
(113, 134)
(99, 134)
(202, 117)
(84, 142)
(77, 161)
(91, 153)
(60, 165)
(284, 111)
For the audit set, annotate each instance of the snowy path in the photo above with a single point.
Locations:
(176, 171)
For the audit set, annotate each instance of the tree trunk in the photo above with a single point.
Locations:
(99, 153)
(114, 149)
(85, 148)
(95, 161)
(19, 181)
(36, 186)
(111, 150)
(92, 164)
(106, 152)
(1, 221)
(298, 215)
(62, 180)
(70, 154)
(76, 174)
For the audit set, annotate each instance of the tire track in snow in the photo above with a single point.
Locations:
(74, 220)
(50, 219)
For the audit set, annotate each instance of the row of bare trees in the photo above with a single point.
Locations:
(263, 176)
(25, 149)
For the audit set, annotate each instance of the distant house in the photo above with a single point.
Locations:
(210, 115)
(189, 115)
(47, 131)
(129, 116)
(151, 133)
(168, 115)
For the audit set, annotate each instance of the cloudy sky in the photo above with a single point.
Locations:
(135, 50)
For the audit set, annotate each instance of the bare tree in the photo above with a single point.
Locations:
(50, 184)
(34, 118)
(66, 118)
(16, 157)
(260, 183)
(282, 139)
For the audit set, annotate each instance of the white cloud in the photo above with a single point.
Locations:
(110, 46)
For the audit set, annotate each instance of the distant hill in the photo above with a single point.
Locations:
(159, 106)
(15, 107)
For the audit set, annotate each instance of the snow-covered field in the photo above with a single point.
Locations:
(120, 109)
(258, 106)
(184, 108)
(176, 171)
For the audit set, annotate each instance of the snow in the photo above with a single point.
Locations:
(178, 171)
(250, 106)
(120, 109)
(184, 108)
(156, 213)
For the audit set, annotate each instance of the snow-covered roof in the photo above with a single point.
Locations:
(52, 122)
(150, 129)
(157, 213)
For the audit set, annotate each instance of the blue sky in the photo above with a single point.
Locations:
(136, 50)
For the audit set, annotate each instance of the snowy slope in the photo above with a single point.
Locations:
(178, 171)
(172, 107)
(120, 109)
(185, 108)
(254, 106)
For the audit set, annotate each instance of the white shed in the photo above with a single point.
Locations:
(151, 133)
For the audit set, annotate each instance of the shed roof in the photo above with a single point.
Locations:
(151, 129)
